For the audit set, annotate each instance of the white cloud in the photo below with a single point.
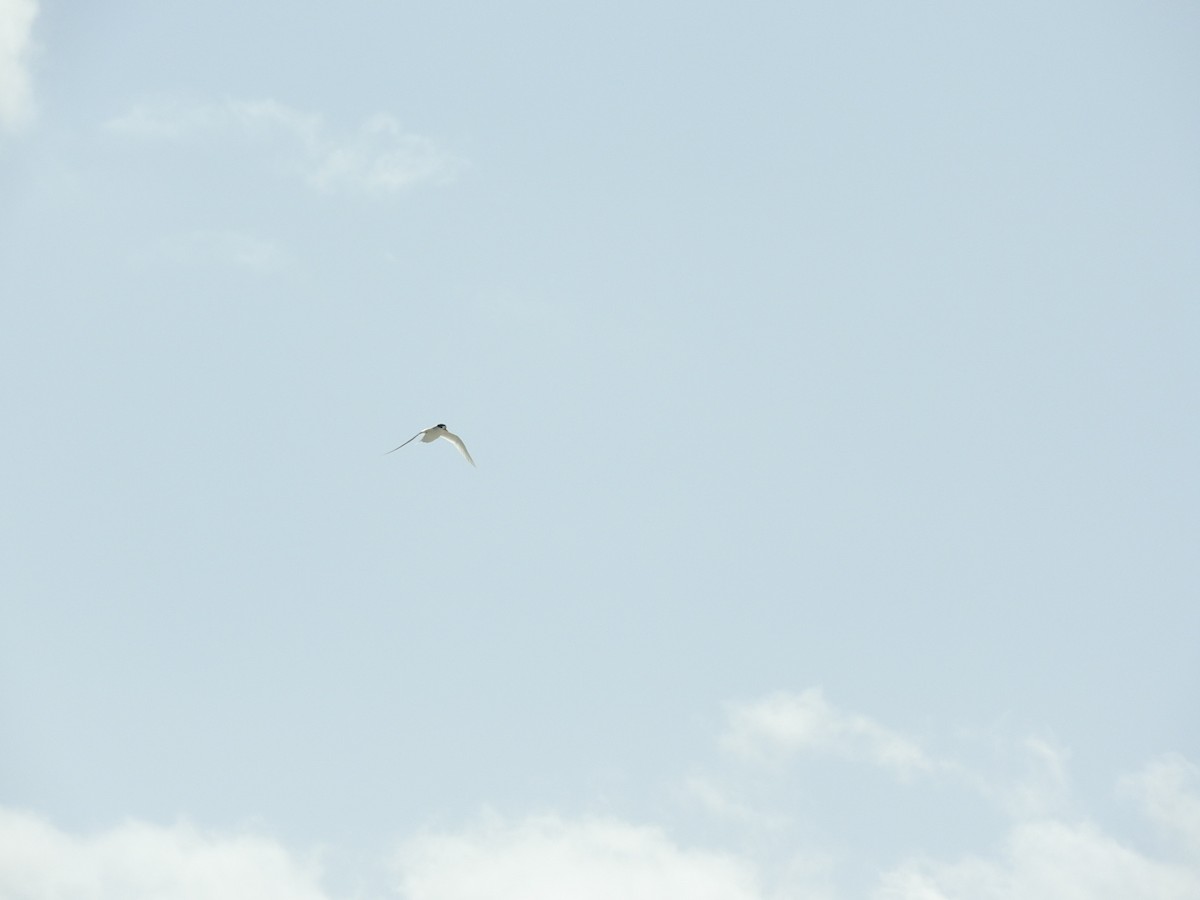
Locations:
(1168, 790)
(1049, 860)
(172, 120)
(226, 248)
(718, 799)
(1045, 785)
(1043, 854)
(1039, 788)
(549, 858)
(16, 93)
(1033, 781)
(138, 861)
(378, 157)
(783, 724)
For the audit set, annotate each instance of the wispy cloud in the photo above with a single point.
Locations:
(1029, 779)
(174, 120)
(719, 799)
(230, 248)
(784, 724)
(16, 91)
(1039, 788)
(378, 157)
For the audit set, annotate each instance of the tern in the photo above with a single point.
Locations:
(429, 435)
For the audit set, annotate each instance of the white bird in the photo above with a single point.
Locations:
(432, 434)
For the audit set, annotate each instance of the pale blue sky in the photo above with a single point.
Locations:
(831, 373)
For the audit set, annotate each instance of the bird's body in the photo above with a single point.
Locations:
(429, 435)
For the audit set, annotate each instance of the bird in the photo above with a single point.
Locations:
(432, 434)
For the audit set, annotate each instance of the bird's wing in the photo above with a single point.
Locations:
(406, 443)
(457, 442)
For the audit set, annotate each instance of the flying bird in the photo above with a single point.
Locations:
(432, 434)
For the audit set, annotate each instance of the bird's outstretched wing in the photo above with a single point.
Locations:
(406, 443)
(457, 442)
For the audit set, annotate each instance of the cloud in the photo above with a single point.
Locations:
(549, 858)
(1045, 861)
(237, 249)
(1043, 854)
(172, 120)
(784, 724)
(1045, 784)
(536, 858)
(378, 157)
(1046, 852)
(16, 92)
(1031, 780)
(138, 861)
(718, 799)
(1168, 790)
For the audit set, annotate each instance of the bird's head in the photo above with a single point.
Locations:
(441, 426)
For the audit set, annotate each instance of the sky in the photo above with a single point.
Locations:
(831, 374)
